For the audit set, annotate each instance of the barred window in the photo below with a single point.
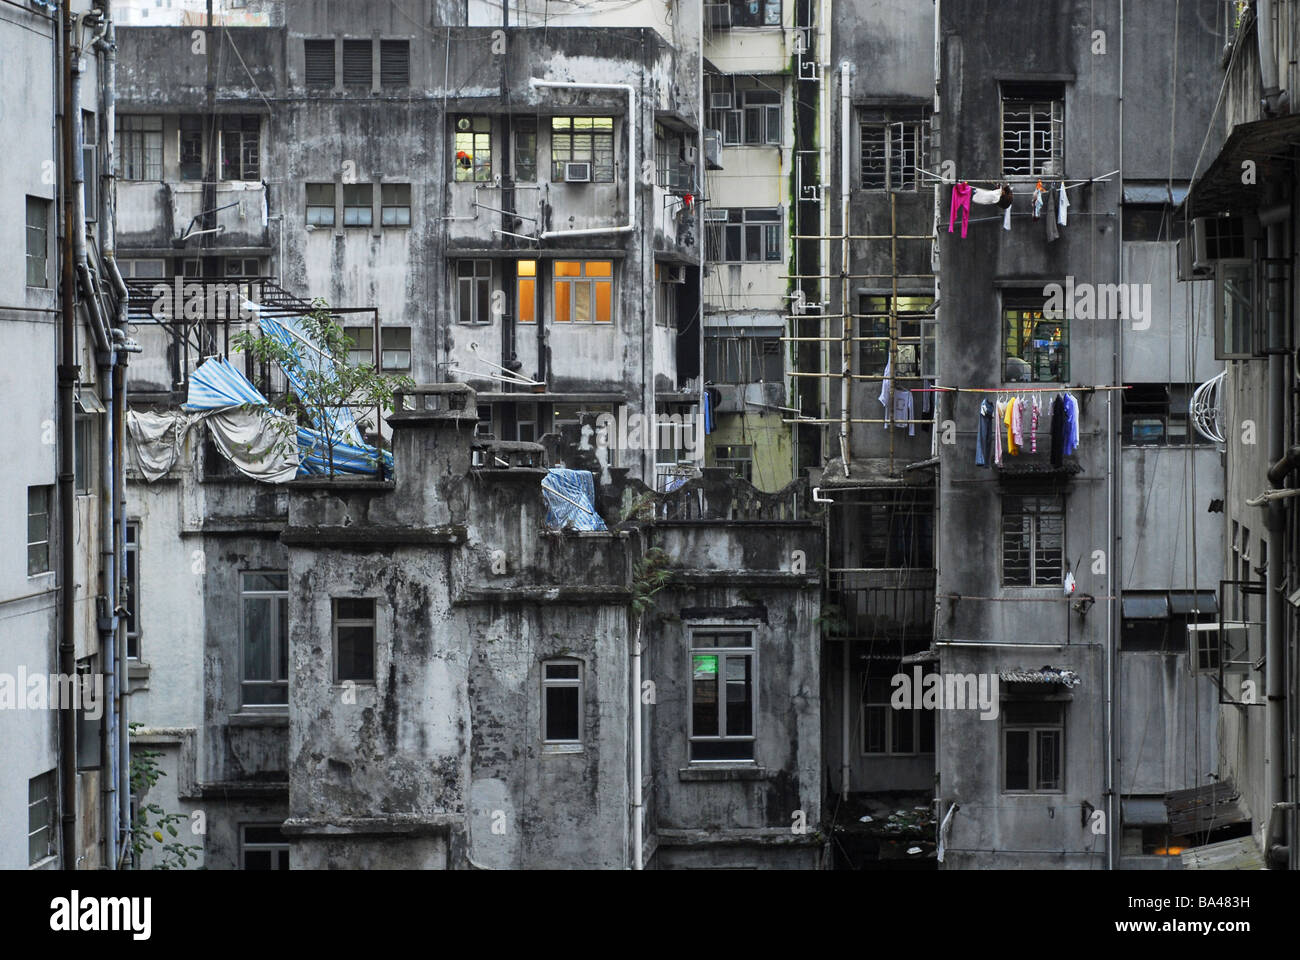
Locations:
(1033, 128)
(139, 147)
(893, 144)
(241, 147)
(742, 235)
(1033, 541)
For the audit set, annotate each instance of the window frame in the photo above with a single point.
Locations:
(49, 784)
(313, 220)
(480, 136)
(336, 622)
(521, 129)
(319, 43)
(243, 129)
(394, 75)
(479, 286)
(745, 115)
(870, 705)
(245, 845)
(139, 147)
(354, 45)
(272, 597)
(1033, 97)
(1037, 501)
(47, 490)
(903, 130)
(698, 645)
(35, 230)
(601, 141)
(526, 291)
(131, 581)
(367, 207)
(1022, 301)
(189, 147)
(391, 197)
(728, 226)
(593, 282)
(1242, 347)
(1033, 729)
(554, 683)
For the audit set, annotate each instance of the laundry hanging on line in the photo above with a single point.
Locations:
(1006, 427)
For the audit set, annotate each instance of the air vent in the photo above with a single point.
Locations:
(319, 62)
(357, 62)
(395, 63)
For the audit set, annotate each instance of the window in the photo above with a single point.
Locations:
(89, 166)
(483, 427)
(395, 348)
(357, 63)
(1033, 746)
(747, 110)
(320, 204)
(263, 847)
(243, 267)
(38, 530)
(395, 204)
(143, 269)
(133, 590)
(664, 153)
(743, 360)
(748, 235)
(473, 160)
(736, 457)
(241, 147)
(1033, 541)
(915, 356)
(358, 204)
(525, 150)
(894, 145)
(264, 602)
(191, 148)
(318, 58)
(139, 147)
(394, 63)
(526, 291)
(1234, 309)
(42, 809)
(89, 715)
(1155, 415)
(1033, 126)
(473, 291)
(1037, 348)
(38, 241)
(362, 350)
(584, 291)
(884, 729)
(665, 299)
(722, 696)
(583, 140)
(745, 13)
(562, 701)
(1158, 622)
(354, 639)
(192, 268)
(83, 452)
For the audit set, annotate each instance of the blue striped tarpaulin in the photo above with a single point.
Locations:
(571, 500)
(289, 333)
(216, 385)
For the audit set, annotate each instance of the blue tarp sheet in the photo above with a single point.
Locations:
(216, 385)
(289, 333)
(571, 500)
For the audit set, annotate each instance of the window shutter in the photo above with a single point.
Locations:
(357, 62)
(319, 56)
(394, 63)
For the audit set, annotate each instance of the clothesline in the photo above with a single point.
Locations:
(1069, 184)
(1059, 388)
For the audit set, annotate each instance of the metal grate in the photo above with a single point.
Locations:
(357, 62)
(892, 146)
(319, 62)
(1033, 539)
(1032, 134)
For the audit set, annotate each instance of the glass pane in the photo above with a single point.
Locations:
(604, 308)
(740, 697)
(1016, 759)
(527, 268)
(527, 300)
(599, 268)
(561, 671)
(568, 268)
(282, 638)
(355, 608)
(563, 292)
(257, 859)
(904, 730)
(873, 732)
(483, 293)
(356, 653)
(704, 714)
(267, 581)
(1049, 759)
(562, 713)
(257, 638)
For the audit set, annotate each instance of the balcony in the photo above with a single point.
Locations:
(881, 603)
(156, 214)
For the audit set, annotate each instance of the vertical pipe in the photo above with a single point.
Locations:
(68, 375)
(846, 322)
(846, 726)
(1275, 719)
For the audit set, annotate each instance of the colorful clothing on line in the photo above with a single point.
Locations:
(961, 194)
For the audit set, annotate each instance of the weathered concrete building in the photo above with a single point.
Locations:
(61, 607)
(1067, 575)
(1240, 241)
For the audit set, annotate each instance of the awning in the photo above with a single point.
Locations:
(1183, 603)
(1240, 854)
(1201, 809)
(1266, 144)
(1155, 193)
(1144, 811)
(1149, 606)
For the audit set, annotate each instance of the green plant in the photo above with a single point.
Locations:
(832, 620)
(650, 575)
(325, 380)
(151, 820)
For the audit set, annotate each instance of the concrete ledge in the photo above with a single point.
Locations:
(367, 536)
(244, 790)
(438, 825)
(758, 837)
(268, 719)
(609, 595)
(772, 578)
(721, 774)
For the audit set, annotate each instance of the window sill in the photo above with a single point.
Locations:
(561, 749)
(721, 774)
(253, 717)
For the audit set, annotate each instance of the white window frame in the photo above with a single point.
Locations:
(477, 303)
(372, 622)
(766, 219)
(245, 845)
(591, 281)
(1033, 729)
(48, 781)
(49, 529)
(139, 146)
(131, 546)
(273, 598)
(566, 683)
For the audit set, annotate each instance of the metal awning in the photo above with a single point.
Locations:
(1144, 811)
(1151, 606)
(1183, 603)
(1265, 143)
(1155, 193)
(1202, 809)
(1047, 676)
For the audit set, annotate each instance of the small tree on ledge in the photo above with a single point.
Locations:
(322, 380)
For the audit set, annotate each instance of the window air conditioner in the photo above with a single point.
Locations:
(577, 173)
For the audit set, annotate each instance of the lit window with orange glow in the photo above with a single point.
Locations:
(584, 291)
(526, 291)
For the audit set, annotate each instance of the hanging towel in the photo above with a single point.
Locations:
(887, 391)
(960, 204)
(986, 196)
(1058, 431)
(1052, 232)
(1062, 204)
(999, 412)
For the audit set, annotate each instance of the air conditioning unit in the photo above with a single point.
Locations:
(1201, 260)
(1187, 268)
(672, 273)
(681, 178)
(577, 173)
(690, 154)
(720, 101)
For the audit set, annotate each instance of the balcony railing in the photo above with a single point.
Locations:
(881, 602)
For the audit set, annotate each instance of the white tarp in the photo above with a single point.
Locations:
(157, 440)
(253, 445)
